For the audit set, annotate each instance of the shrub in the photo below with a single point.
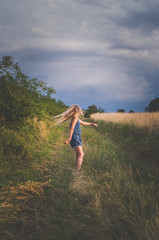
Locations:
(21, 97)
(121, 111)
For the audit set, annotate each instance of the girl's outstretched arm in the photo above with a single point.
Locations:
(74, 121)
(88, 123)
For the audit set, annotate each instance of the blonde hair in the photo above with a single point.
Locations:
(70, 112)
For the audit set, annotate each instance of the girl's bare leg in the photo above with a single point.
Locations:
(79, 157)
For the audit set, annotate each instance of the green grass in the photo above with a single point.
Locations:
(115, 196)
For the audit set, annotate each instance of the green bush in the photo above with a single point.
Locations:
(21, 97)
(121, 111)
(131, 111)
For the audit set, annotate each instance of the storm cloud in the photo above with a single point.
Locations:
(92, 52)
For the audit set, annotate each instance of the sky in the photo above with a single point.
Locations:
(102, 52)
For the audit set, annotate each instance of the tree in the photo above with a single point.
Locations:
(93, 109)
(153, 106)
(131, 111)
(121, 111)
(101, 110)
(20, 96)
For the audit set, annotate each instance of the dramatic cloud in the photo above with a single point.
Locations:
(89, 51)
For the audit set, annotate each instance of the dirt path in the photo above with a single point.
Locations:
(77, 209)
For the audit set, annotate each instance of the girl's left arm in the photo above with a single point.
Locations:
(88, 123)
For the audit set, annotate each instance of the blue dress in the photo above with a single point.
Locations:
(76, 136)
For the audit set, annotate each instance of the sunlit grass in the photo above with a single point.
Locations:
(150, 120)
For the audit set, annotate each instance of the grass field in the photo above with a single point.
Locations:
(151, 120)
(115, 196)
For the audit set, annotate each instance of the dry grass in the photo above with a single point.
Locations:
(20, 207)
(82, 184)
(22, 196)
(139, 119)
(41, 127)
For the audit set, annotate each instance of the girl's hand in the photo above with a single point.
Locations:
(94, 124)
(67, 141)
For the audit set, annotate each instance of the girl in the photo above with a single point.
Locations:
(75, 140)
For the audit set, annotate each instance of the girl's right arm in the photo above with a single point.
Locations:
(88, 123)
(74, 121)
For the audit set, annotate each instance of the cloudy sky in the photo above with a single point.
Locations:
(102, 52)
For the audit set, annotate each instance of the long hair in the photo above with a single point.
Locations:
(70, 112)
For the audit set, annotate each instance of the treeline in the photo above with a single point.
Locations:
(153, 106)
(22, 97)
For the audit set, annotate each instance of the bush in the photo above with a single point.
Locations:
(121, 111)
(23, 97)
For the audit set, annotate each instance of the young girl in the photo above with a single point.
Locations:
(75, 140)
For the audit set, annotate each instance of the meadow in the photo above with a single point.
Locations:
(115, 196)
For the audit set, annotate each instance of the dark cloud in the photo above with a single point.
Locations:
(92, 52)
(146, 19)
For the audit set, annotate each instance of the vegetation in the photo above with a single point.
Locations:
(92, 109)
(131, 111)
(148, 120)
(26, 107)
(121, 111)
(115, 195)
(153, 106)
(23, 97)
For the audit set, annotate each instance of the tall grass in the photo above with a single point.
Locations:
(125, 199)
(24, 176)
(134, 176)
(151, 120)
(18, 148)
(115, 196)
